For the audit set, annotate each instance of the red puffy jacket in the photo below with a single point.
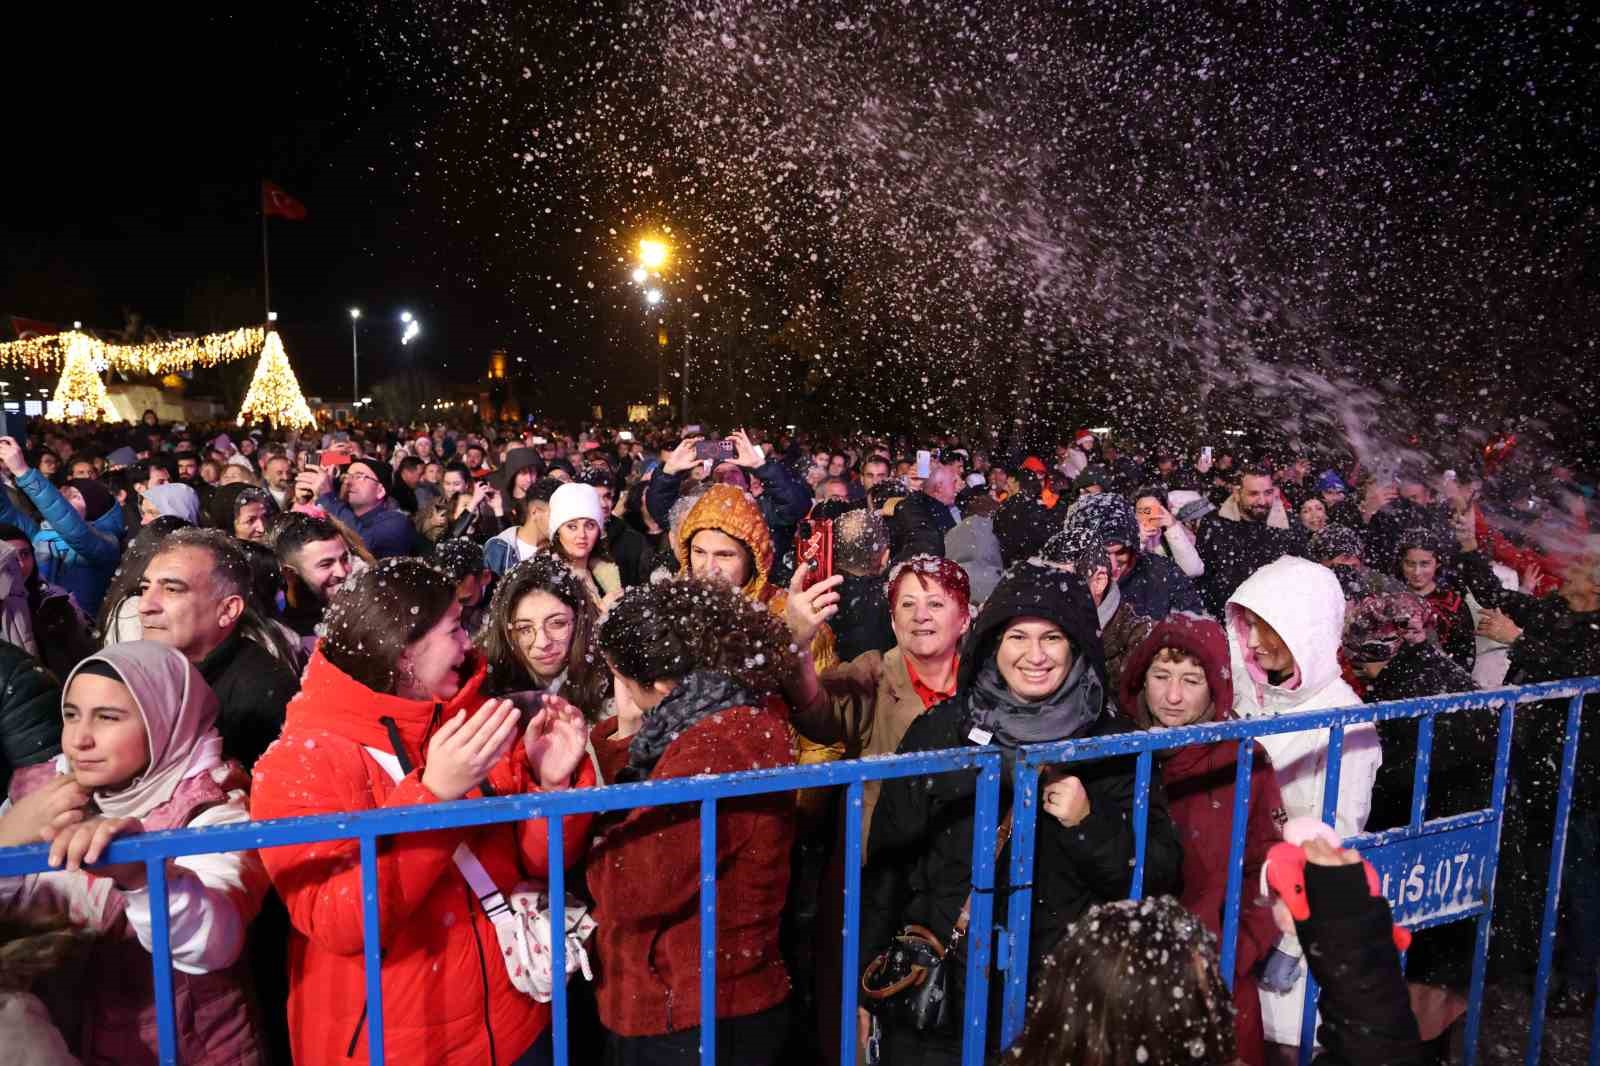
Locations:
(446, 996)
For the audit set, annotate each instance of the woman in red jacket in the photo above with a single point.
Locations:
(394, 687)
(1179, 676)
(703, 664)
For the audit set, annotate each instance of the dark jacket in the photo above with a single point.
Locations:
(1556, 643)
(385, 530)
(30, 712)
(1366, 1010)
(918, 526)
(1232, 550)
(783, 502)
(630, 551)
(252, 688)
(1463, 742)
(862, 623)
(1453, 622)
(919, 852)
(1155, 587)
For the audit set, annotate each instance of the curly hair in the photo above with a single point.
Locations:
(1130, 982)
(679, 627)
(588, 682)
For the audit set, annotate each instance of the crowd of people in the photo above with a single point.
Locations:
(203, 626)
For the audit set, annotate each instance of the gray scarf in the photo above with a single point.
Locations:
(700, 694)
(1064, 714)
(1107, 608)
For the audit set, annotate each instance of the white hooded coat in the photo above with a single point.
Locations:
(1303, 603)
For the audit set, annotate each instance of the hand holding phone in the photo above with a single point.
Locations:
(924, 463)
(715, 450)
(814, 552)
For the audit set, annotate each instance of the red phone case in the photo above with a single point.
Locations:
(816, 546)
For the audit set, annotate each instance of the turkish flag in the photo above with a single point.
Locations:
(274, 201)
(27, 328)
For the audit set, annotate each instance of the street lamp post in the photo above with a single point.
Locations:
(653, 256)
(355, 372)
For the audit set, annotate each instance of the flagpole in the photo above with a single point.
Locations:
(266, 270)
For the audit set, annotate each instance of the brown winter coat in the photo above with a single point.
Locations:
(866, 704)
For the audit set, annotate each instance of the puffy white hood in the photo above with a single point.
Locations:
(1303, 602)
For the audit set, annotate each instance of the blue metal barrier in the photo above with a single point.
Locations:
(1432, 871)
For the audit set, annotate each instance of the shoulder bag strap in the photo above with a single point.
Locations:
(477, 878)
(1002, 834)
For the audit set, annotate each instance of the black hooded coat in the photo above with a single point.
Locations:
(919, 854)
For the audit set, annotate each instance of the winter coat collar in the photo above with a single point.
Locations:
(331, 699)
(1277, 518)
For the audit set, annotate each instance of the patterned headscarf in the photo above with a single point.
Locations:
(1377, 624)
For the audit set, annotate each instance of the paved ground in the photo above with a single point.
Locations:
(1504, 1037)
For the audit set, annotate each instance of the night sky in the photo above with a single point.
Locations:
(930, 211)
(138, 141)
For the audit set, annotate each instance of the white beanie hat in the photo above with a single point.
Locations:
(574, 500)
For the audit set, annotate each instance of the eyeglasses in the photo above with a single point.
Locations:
(555, 628)
(359, 476)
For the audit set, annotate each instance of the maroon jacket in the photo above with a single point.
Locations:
(1199, 782)
(644, 874)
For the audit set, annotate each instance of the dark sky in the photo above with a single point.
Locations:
(137, 141)
(486, 165)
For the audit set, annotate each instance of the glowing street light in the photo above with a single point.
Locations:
(652, 297)
(652, 254)
(639, 275)
(413, 327)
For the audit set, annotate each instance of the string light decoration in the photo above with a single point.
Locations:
(274, 393)
(155, 357)
(80, 394)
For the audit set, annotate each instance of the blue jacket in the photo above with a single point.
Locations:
(1156, 587)
(385, 530)
(77, 555)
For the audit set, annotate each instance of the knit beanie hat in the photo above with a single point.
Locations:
(97, 499)
(1021, 527)
(380, 470)
(1093, 474)
(1078, 547)
(1333, 541)
(1108, 515)
(574, 501)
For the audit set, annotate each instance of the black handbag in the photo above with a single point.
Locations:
(909, 986)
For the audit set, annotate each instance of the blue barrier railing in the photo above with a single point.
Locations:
(1461, 888)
